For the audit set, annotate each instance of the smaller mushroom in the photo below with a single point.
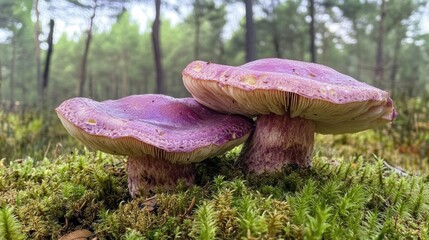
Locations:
(161, 135)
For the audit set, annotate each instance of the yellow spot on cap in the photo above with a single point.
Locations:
(91, 121)
(197, 67)
(249, 79)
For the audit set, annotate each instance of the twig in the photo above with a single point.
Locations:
(191, 205)
(399, 171)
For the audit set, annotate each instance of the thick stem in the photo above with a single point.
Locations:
(276, 142)
(147, 173)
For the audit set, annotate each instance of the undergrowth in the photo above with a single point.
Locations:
(356, 198)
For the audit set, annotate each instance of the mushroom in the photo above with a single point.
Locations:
(161, 135)
(291, 100)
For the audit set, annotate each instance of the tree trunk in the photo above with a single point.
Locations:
(1, 81)
(276, 35)
(157, 48)
(48, 58)
(221, 50)
(358, 49)
(124, 79)
(37, 54)
(379, 71)
(395, 66)
(250, 31)
(116, 89)
(84, 62)
(1, 73)
(197, 18)
(276, 42)
(12, 73)
(312, 32)
(91, 85)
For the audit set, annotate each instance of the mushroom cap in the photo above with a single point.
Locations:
(179, 130)
(337, 103)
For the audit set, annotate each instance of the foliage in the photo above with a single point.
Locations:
(9, 226)
(34, 134)
(342, 198)
(121, 61)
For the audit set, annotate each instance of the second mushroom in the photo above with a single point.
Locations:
(161, 135)
(291, 100)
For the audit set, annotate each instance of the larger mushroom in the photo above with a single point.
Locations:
(291, 100)
(161, 135)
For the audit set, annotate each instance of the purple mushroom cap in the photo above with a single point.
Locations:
(337, 103)
(178, 130)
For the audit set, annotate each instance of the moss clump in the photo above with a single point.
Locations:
(9, 226)
(341, 198)
(54, 197)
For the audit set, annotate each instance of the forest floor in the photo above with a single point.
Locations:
(373, 184)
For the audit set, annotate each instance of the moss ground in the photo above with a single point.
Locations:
(370, 185)
(334, 199)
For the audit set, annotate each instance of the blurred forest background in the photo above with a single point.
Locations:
(105, 49)
(110, 48)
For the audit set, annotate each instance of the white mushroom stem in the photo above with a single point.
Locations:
(146, 173)
(278, 141)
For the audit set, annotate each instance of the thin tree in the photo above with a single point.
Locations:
(270, 11)
(1, 76)
(379, 69)
(157, 48)
(93, 6)
(250, 31)
(312, 32)
(84, 62)
(37, 31)
(48, 58)
(12, 72)
(198, 15)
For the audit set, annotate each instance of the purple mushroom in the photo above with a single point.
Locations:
(161, 135)
(291, 100)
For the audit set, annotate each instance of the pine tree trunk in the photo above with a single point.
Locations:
(157, 48)
(91, 85)
(84, 62)
(124, 79)
(48, 58)
(197, 17)
(250, 31)
(358, 49)
(1, 74)
(1, 81)
(379, 71)
(395, 66)
(37, 54)
(312, 32)
(276, 35)
(12, 73)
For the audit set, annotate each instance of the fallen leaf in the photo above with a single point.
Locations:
(77, 235)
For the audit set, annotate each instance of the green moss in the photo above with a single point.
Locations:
(9, 226)
(341, 198)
